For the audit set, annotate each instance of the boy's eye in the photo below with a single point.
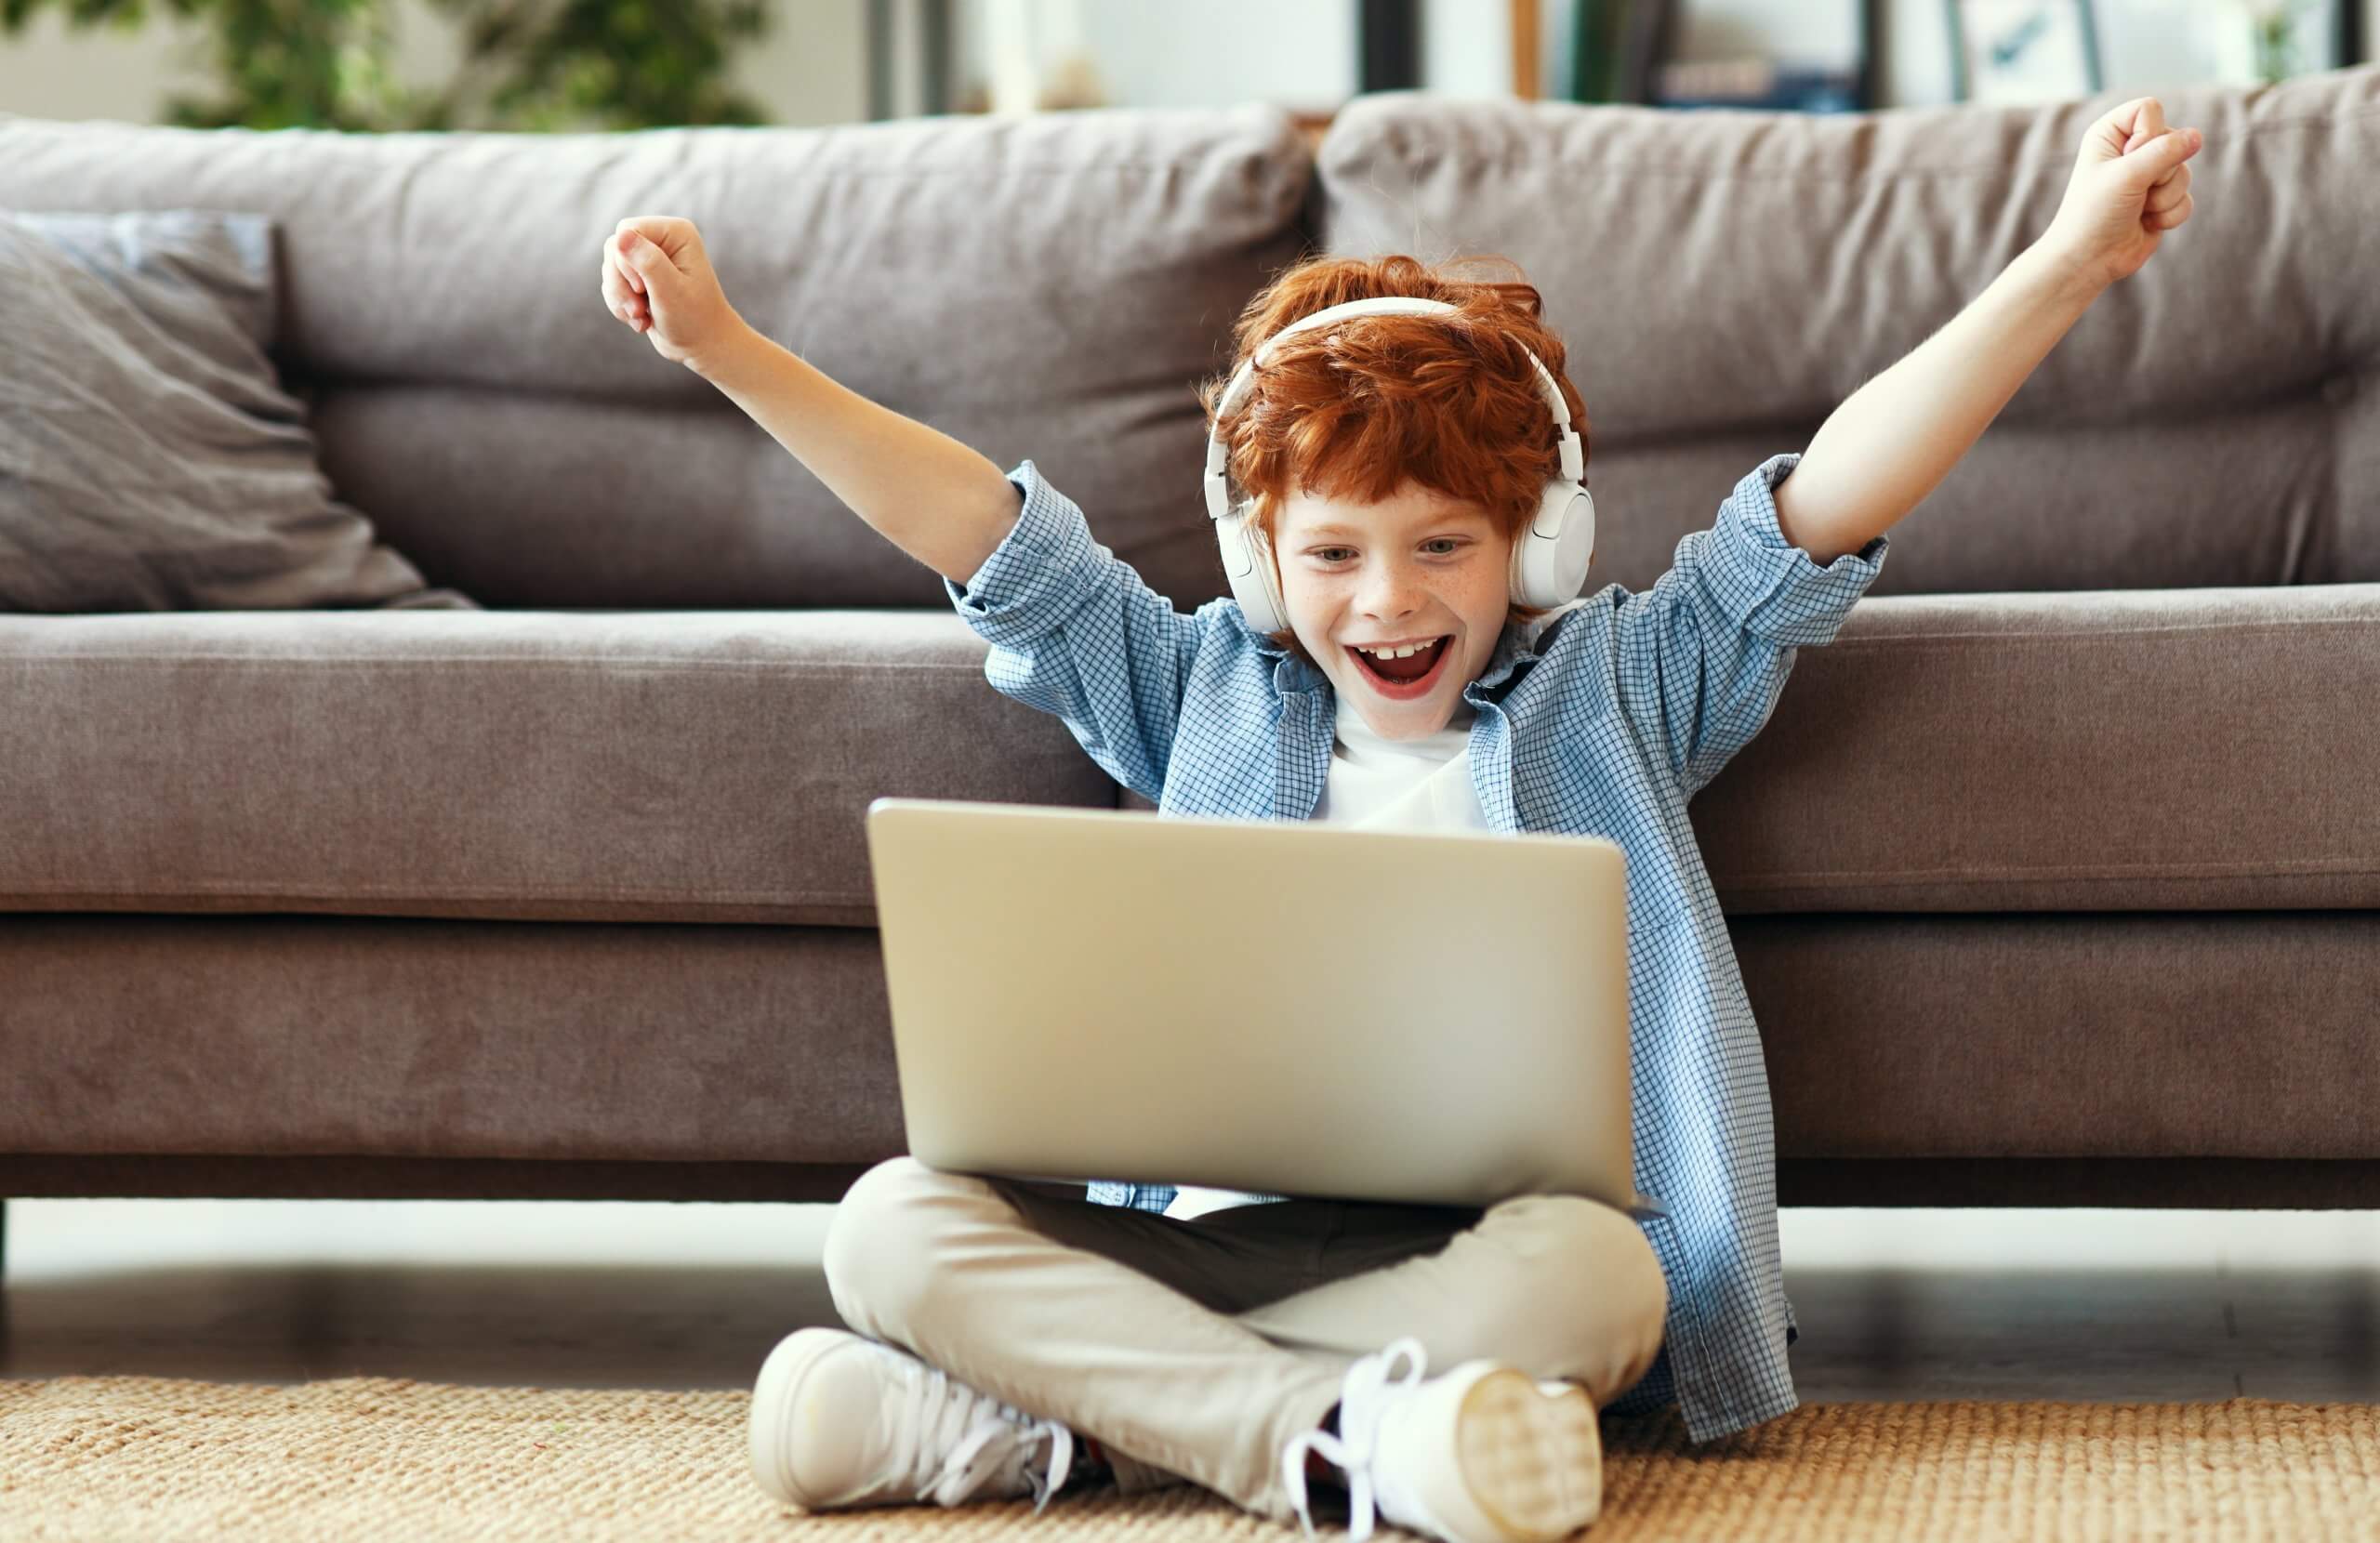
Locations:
(1329, 554)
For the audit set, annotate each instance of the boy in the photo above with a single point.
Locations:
(1253, 1344)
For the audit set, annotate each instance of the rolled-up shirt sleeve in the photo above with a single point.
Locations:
(1076, 632)
(1704, 653)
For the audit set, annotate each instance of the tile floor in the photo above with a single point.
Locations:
(2099, 1305)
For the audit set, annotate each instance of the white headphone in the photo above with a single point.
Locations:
(1549, 562)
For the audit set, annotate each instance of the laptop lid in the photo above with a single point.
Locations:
(1424, 1017)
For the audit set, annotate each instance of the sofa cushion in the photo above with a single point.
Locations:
(1051, 286)
(149, 458)
(2171, 750)
(647, 766)
(2110, 751)
(718, 766)
(1724, 280)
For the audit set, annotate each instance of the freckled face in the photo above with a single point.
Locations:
(1416, 565)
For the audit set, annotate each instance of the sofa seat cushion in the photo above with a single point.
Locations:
(2125, 750)
(2122, 750)
(2183, 750)
(628, 766)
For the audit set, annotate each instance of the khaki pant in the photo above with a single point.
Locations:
(1195, 1350)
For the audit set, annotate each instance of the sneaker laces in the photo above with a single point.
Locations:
(1362, 1399)
(947, 1415)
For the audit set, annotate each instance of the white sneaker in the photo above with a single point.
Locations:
(838, 1419)
(1484, 1453)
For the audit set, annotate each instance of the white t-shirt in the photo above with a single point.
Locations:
(1401, 784)
(1380, 784)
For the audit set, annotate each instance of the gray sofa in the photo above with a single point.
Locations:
(2055, 879)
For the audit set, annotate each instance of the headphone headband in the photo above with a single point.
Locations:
(1243, 381)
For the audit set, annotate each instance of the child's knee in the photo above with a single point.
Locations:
(1595, 1248)
(879, 1250)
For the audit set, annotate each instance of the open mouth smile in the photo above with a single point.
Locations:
(1395, 689)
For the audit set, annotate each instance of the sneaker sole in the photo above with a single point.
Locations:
(773, 1411)
(1532, 1460)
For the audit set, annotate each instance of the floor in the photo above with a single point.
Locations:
(2093, 1305)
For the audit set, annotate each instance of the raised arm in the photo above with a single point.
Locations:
(1075, 632)
(1893, 440)
(937, 500)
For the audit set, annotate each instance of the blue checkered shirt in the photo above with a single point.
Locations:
(1601, 720)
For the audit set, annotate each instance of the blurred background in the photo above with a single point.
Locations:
(596, 64)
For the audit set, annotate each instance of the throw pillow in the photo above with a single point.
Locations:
(149, 459)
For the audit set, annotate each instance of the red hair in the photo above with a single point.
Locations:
(1355, 409)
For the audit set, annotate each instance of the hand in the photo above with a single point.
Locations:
(2129, 186)
(658, 281)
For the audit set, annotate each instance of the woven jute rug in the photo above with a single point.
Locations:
(373, 1458)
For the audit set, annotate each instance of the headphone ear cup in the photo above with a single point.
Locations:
(1550, 559)
(1250, 569)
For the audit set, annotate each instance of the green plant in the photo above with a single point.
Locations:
(538, 64)
(2279, 42)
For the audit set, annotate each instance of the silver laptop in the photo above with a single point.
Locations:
(1434, 1018)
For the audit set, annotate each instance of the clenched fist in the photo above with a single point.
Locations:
(658, 281)
(2131, 185)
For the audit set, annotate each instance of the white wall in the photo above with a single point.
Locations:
(49, 72)
(1298, 53)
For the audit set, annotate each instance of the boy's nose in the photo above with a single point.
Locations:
(1391, 595)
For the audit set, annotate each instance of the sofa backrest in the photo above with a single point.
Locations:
(1722, 281)
(1057, 286)
(1052, 287)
